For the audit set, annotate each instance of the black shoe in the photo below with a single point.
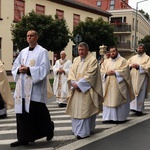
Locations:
(120, 122)
(3, 116)
(32, 141)
(18, 143)
(62, 105)
(92, 132)
(133, 110)
(79, 137)
(139, 113)
(49, 137)
(108, 122)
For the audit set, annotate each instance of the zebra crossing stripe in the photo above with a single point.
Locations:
(59, 117)
(55, 138)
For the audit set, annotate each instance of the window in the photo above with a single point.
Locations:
(124, 19)
(133, 24)
(111, 7)
(76, 19)
(132, 41)
(40, 9)
(137, 26)
(0, 8)
(136, 41)
(60, 14)
(19, 7)
(99, 3)
(112, 4)
(0, 48)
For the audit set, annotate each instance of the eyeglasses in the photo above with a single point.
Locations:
(31, 35)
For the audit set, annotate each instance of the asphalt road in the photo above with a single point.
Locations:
(132, 135)
(136, 137)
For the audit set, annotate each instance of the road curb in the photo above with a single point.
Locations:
(80, 143)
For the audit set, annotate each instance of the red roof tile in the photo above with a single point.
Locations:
(86, 2)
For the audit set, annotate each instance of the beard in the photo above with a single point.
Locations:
(115, 56)
(140, 52)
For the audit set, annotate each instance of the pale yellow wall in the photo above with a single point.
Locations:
(5, 33)
(7, 14)
(68, 15)
(143, 24)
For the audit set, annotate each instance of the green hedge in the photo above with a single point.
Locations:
(12, 85)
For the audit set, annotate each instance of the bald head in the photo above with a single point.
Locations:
(62, 52)
(63, 55)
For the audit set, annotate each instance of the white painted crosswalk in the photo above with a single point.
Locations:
(63, 131)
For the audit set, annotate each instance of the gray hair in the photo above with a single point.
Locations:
(141, 44)
(83, 44)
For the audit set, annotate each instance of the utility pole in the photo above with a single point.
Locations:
(136, 24)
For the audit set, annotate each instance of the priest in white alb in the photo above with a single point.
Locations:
(139, 71)
(30, 71)
(60, 86)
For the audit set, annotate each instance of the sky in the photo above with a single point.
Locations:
(142, 5)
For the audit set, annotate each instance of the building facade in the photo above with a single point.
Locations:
(108, 4)
(11, 12)
(128, 29)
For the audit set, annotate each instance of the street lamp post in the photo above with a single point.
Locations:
(136, 23)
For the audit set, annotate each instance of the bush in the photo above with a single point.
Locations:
(13, 84)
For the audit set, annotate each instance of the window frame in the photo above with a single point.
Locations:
(19, 10)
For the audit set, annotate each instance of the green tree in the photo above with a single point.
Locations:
(53, 33)
(146, 42)
(146, 15)
(95, 33)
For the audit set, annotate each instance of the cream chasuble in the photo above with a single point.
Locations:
(116, 92)
(5, 88)
(84, 105)
(138, 76)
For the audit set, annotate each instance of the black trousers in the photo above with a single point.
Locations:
(2, 106)
(34, 125)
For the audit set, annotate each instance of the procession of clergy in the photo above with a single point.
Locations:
(85, 88)
(115, 87)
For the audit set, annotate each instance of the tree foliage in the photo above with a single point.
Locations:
(53, 33)
(146, 42)
(146, 15)
(95, 33)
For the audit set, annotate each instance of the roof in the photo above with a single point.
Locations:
(84, 5)
(85, 2)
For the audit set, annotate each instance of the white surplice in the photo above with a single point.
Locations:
(60, 85)
(32, 87)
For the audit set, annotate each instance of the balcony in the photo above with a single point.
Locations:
(121, 27)
(124, 45)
